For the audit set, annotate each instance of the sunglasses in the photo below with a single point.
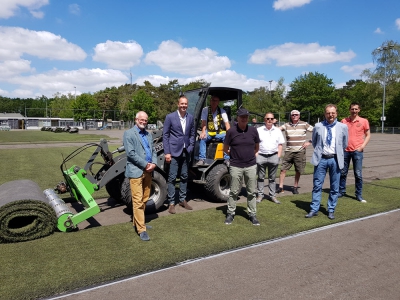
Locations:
(266, 119)
(295, 114)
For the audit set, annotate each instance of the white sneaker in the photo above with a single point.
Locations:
(362, 200)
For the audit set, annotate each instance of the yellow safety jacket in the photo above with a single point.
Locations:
(210, 123)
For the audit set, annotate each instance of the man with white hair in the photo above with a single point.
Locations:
(295, 152)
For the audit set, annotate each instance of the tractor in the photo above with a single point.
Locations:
(212, 177)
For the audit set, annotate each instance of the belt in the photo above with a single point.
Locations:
(268, 155)
(327, 156)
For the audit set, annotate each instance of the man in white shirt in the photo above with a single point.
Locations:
(268, 156)
(214, 124)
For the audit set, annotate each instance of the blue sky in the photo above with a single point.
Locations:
(85, 46)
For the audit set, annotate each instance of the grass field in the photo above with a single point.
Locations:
(67, 261)
(26, 136)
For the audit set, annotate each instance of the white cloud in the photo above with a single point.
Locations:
(16, 41)
(74, 9)
(291, 54)
(378, 31)
(9, 8)
(356, 69)
(49, 83)
(118, 55)
(172, 57)
(221, 78)
(288, 4)
(12, 68)
(397, 22)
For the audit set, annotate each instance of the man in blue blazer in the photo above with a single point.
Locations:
(141, 161)
(178, 142)
(329, 140)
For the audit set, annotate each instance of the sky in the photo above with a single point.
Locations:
(49, 46)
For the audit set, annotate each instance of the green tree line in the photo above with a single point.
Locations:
(308, 93)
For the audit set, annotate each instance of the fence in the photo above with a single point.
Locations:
(387, 130)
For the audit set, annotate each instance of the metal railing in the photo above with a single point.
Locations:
(387, 130)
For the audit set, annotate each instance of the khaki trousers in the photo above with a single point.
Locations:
(140, 190)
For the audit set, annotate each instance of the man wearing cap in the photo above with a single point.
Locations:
(271, 140)
(214, 124)
(296, 145)
(242, 144)
(329, 139)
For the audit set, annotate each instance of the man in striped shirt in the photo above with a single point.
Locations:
(295, 153)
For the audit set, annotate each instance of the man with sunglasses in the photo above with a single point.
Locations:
(296, 145)
(271, 140)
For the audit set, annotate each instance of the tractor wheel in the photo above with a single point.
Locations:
(158, 193)
(113, 187)
(218, 183)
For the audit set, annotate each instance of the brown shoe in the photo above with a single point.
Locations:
(171, 209)
(185, 205)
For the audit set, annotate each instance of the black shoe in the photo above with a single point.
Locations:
(144, 236)
(229, 219)
(331, 215)
(295, 191)
(312, 214)
(254, 220)
(279, 190)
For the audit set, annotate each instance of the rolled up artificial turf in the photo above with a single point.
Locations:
(24, 212)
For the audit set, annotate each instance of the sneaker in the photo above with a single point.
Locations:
(144, 236)
(200, 162)
(227, 162)
(295, 191)
(362, 200)
(280, 190)
(254, 221)
(273, 199)
(229, 219)
(331, 216)
(259, 199)
(341, 195)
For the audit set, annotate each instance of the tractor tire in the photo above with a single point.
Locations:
(113, 187)
(218, 183)
(158, 193)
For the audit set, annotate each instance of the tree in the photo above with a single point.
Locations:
(107, 100)
(142, 101)
(86, 107)
(61, 106)
(311, 92)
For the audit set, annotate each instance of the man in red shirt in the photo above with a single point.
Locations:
(359, 136)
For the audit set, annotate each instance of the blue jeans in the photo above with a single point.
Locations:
(203, 144)
(318, 180)
(178, 165)
(357, 158)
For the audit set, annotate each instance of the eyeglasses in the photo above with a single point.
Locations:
(142, 120)
(295, 114)
(266, 119)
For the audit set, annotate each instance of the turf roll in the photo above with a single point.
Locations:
(24, 212)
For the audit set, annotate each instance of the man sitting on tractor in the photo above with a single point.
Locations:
(214, 124)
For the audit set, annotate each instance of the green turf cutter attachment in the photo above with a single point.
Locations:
(81, 189)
